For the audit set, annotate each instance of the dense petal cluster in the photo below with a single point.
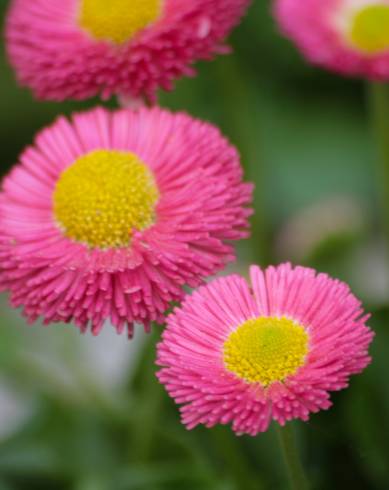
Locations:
(350, 37)
(58, 59)
(308, 323)
(200, 207)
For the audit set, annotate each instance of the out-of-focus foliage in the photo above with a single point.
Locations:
(82, 413)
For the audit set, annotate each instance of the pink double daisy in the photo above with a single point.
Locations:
(109, 216)
(273, 351)
(82, 48)
(350, 37)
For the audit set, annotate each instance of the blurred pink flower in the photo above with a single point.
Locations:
(82, 48)
(247, 356)
(110, 215)
(350, 37)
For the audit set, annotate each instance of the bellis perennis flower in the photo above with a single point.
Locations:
(80, 48)
(108, 216)
(348, 36)
(273, 351)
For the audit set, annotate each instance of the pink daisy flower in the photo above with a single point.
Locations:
(81, 48)
(274, 351)
(110, 215)
(348, 36)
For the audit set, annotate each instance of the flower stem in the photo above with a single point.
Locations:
(379, 108)
(149, 403)
(242, 121)
(296, 474)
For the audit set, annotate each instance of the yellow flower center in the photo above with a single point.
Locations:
(266, 349)
(103, 197)
(370, 29)
(118, 20)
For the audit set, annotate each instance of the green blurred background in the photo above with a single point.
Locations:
(85, 413)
